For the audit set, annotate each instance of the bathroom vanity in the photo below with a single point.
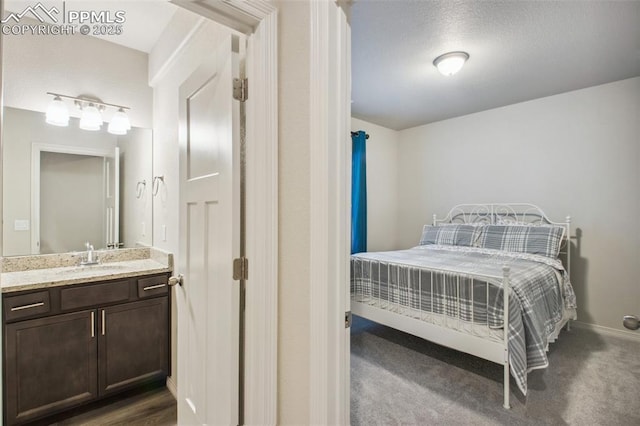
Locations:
(78, 334)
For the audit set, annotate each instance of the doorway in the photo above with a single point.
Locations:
(70, 187)
(257, 23)
(74, 197)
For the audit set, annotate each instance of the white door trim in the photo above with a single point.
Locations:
(258, 20)
(261, 321)
(330, 184)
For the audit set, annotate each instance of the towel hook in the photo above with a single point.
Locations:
(140, 187)
(156, 184)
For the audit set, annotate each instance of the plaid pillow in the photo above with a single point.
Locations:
(543, 240)
(453, 235)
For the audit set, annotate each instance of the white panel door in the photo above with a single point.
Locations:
(208, 301)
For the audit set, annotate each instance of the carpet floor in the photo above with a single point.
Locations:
(399, 379)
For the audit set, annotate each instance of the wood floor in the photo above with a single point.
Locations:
(155, 407)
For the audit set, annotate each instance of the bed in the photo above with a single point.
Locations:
(478, 268)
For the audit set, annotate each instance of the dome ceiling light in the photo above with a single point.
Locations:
(450, 63)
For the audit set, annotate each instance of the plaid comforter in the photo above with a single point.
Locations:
(540, 292)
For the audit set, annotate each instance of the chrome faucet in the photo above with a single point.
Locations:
(90, 257)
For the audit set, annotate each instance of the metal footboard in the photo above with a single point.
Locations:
(466, 312)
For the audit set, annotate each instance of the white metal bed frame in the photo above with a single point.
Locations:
(451, 333)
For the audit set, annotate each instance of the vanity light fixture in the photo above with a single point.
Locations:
(91, 116)
(57, 112)
(450, 63)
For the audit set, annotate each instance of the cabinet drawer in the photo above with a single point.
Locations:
(26, 305)
(152, 286)
(92, 295)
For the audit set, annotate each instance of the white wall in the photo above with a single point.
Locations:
(576, 153)
(136, 212)
(294, 212)
(75, 65)
(382, 185)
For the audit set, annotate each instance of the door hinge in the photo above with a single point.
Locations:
(240, 89)
(241, 268)
(347, 319)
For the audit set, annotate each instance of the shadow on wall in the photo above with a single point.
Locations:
(579, 269)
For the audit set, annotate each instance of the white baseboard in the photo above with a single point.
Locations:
(172, 386)
(607, 331)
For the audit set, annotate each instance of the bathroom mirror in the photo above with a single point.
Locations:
(64, 186)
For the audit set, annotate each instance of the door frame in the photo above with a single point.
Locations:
(258, 21)
(330, 206)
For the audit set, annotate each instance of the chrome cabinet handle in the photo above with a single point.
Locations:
(176, 280)
(151, 287)
(33, 305)
(93, 324)
(103, 323)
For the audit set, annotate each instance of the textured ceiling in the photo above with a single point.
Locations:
(519, 50)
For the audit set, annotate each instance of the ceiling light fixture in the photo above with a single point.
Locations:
(91, 116)
(450, 63)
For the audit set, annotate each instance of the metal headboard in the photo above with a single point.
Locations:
(508, 214)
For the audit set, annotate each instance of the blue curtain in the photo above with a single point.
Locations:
(359, 192)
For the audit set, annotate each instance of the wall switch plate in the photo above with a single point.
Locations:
(143, 232)
(164, 232)
(21, 225)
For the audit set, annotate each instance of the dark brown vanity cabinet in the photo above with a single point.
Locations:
(51, 364)
(131, 346)
(115, 338)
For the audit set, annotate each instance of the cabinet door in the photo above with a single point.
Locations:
(133, 344)
(51, 365)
